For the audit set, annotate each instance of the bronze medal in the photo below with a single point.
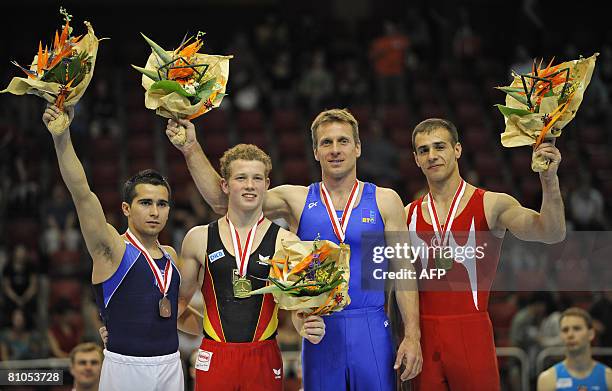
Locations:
(242, 288)
(165, 309)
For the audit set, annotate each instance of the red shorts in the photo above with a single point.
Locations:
(250, 366)
(458, 354)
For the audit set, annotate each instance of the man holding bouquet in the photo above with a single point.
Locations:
(457, 337)
(239, 349)
(358, 351)
(135, 278)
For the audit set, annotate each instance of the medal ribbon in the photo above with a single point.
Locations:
(340, 226)
(441, 232)
(163, 283)
(241, 256)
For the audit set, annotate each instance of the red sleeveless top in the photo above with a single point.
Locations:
(464, 289)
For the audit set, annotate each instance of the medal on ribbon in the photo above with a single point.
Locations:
(341, 225)
(240, 284)
(443, 256)
(163, 280)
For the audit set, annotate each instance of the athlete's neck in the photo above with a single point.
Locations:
(80, 387)
(339, 188)
(443, 191)
(580, 362)
(243, 219)
(148, 241)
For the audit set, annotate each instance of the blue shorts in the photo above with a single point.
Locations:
(356, 353)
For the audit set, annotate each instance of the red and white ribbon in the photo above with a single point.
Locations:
(163, 281)
(242, 255)
(340, 226)
(441, 232)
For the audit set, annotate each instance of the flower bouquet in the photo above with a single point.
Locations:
(59, 74)
(541, 103)
(311, 276)
(183, 84)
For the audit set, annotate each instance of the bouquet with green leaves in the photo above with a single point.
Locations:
(182, 83)
(61, 73)
(541, 103)
(311, 276)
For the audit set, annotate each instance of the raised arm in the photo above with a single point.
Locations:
(207, 180)
(281, 202)
(102, 240)
(547, 225)
(406, 293)
(193, 250)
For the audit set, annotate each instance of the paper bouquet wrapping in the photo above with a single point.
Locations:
(183, 84)
(60, 74)
(541, 103)
(311, 276)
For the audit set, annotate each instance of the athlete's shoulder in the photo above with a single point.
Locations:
(547, 380)
(385, 195)
(171, 251)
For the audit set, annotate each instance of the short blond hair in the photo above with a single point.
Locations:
(243, 152)
(84, 348)
(334, 115)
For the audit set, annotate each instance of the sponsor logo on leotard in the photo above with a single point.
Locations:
(216, 255)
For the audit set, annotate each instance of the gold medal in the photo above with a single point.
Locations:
(165, 310)
(242, 288)
(443, 261)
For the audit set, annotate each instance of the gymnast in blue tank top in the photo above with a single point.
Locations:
(596, 381)
(128, 303)
(357, 349)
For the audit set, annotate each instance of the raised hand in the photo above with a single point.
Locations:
(52, 118)
(181, 133)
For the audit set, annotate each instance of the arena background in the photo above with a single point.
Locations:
(292, 60)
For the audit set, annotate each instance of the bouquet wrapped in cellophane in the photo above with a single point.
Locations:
(60, 74)
(311, 276)
(541, 103)
(182, 83)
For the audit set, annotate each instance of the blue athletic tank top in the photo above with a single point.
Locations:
(596, 381)
(365, 217)
(129, 306)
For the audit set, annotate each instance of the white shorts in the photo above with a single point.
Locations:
(157, 373)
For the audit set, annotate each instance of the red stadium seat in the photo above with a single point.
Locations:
(65, 288)
(250, 121)
(292, 146)
(296, 172)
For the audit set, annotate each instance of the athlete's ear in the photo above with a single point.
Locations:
(125, 208)
(224, 186)
(358, 149)
(416, 160)
(314, 153)
(458, 150)
(267, 183)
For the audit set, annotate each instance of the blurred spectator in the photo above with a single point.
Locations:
(60, 217)
(281, 77)
(86, 366)
(24, 194)
(20, 341)
(317, 83)
(602, 322)
(379, 158)
(66, 329)
(20, 282)
(466, 42)
(522, 62)
(103, 111)
(388, 55)
(91, 317)
(351, 85)
(587, 205)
